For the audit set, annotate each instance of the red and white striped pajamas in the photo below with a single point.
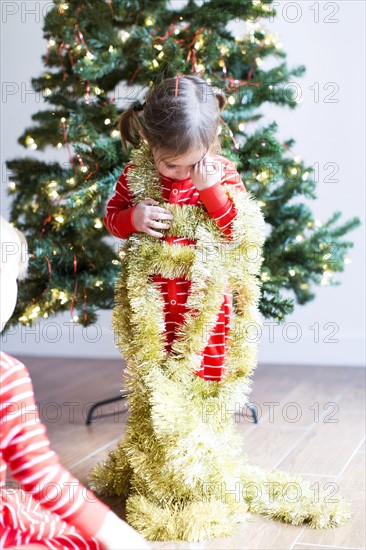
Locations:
(49, 507)
(118, 221)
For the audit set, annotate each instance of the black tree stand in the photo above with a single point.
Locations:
(125, 393)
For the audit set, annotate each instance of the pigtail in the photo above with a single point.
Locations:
(221, 98)
(129, 125)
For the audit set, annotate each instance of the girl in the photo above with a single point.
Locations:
(52, 509)
(194, 235)
(191, 173)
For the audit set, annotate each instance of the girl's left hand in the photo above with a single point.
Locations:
(206, 172)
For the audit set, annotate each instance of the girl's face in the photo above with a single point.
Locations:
(177, 168)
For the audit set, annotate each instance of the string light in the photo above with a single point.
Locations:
(326, 278)
(89, 55)
(29, 141)
(149, 21)
(299, 238)
(98, 223)
(47, 92)
(292, 272)
(263, 176)
(158, 47)
(59, 145)
(84, 168)
(115, 133)
(305, 176)
(11, 186)
(111, 49)
(71, 181)
(107, 121)
(51, 42)
(231, 100)
(59, 219)
(124, 35)
(242, 126)
(59, 295)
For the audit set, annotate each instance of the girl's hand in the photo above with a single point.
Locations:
(116, 534)
(207, 172)
(145, 214)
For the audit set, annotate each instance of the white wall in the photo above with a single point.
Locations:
(330, 329)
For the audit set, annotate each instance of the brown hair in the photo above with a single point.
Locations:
(176, 123)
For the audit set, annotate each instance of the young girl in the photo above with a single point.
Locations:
(191, 172)
(51, 509)
(194, 235)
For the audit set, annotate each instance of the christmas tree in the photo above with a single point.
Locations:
(98, 49)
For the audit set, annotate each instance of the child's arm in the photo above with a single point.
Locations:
(118, 219)
(218, 204)
(26, 449)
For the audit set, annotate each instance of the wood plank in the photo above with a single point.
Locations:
(318, 450)
(351, 486)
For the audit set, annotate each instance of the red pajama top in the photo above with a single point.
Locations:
(118, 221)
(51, 507)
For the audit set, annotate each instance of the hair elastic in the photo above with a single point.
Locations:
(139, 106)
(177, 82)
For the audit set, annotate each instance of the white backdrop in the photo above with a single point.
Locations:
(328, 38)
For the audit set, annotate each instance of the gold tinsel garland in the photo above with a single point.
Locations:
(181, 464)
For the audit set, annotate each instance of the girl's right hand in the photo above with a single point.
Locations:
(145, 214)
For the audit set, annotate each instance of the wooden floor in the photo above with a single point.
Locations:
(325, 443)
